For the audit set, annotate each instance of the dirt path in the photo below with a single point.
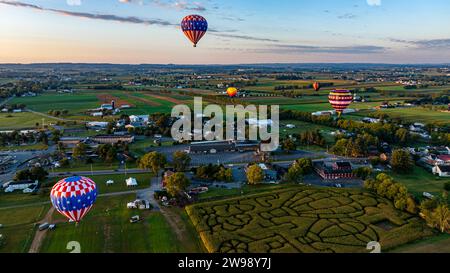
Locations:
(40, 235)
(175, 222)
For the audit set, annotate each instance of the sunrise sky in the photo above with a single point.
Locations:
(241, 31)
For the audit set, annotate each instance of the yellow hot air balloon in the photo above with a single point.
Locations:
(232, 92)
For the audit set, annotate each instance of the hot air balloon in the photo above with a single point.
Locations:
(316, 86)
(74, 196)
(194, 27)
(340, 100)
(232, 92)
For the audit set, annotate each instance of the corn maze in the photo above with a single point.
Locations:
(303, 220)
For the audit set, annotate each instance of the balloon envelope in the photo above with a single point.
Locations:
(74, 196)
(232, 92)
(316, 86)
(194, 27)
(340, 100)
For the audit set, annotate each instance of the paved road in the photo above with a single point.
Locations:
(149, 193)
(48, 116)
(6, 101)
(99, 172)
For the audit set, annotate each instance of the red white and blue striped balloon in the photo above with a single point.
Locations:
(340, 100)
(74, 196)
(194, 27)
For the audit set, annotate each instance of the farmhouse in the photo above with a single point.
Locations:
(97, 125)
(442, 171)
(334, 170)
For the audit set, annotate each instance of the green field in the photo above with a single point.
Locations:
(18, 227)
(298, 219)
(106, 229)
(420, 181)
(75, 103)
(25, 120)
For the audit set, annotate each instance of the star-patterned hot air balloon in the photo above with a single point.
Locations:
(194, 27)
(340, 100)
(74, 196)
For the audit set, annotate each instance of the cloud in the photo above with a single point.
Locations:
(95, 16)
(130, 19)
(299, 49)
(425, 44)
(177, 5)
(374, 3)
(74, 2)
(347, 16)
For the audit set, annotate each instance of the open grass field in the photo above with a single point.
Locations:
(18, 227)
(303, 220)
(106, 229)
(119, 182)
(74, 103)
(419, 114)
(420, 181)
(25, 120)
(20, 199)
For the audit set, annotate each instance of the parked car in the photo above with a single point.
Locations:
(135, 219)
(43, 226)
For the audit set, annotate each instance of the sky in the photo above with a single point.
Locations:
(240, 31)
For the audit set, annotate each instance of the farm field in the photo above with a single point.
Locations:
(24, 120)
(305, 220)
(106, 229)
(75, 103)
(18, 227)
(302, 127)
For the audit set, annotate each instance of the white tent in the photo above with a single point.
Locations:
(109, 182)
(131, 182)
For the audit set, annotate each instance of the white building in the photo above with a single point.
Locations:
(442, 171)
(131, 182)
(20, 185)
(139, 119)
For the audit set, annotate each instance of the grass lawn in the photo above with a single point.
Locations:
(82, 166)
(18, 227)
(119, 179)
(24, 120)
(106, 229)
(19, 198)
(420, 181)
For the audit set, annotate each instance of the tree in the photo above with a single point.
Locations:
(363, 172)
(255, 175)
(288, 145)
(181, 161)
(79, 151)
(38, 173)
(401, 161)
(224, 174)
(439, 218)
(153, 161)
(64, 162)
(177, 183)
